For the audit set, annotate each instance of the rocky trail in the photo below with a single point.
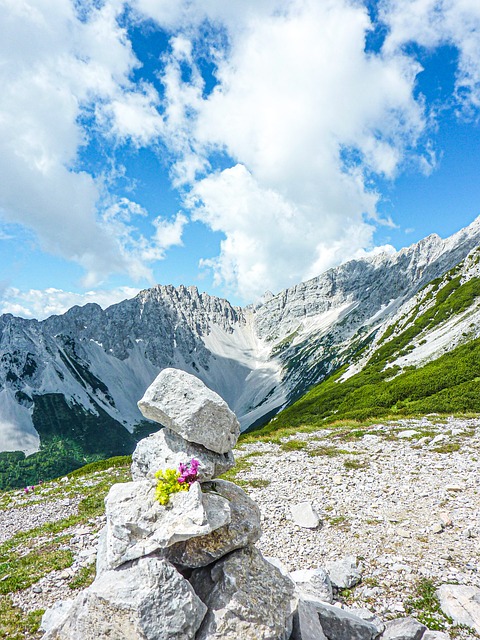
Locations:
(403, 499)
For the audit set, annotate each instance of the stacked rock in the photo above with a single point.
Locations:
(188, 569)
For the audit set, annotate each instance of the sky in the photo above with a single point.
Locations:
(240, 147)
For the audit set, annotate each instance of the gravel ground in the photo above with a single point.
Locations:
(406, 512)
(409, 512)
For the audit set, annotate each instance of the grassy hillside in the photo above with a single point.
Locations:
(449, 384)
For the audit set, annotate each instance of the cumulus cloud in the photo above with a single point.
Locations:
(431, 23)
(307, 116)
(55, 66)
(40, 304)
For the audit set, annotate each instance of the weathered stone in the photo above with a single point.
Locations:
(166, 450)
(369, 616)
(343, 573)
(306, 623)
(247, 598)
(185, 405)
(304, 515)
(148, 600)
(137, 524)
(403, 629)
(461, 603)
(54, 616)
(435, 635)
(340, 624)
(243, 529)
(313, 583)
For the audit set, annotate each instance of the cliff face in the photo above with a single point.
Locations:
(93, 365)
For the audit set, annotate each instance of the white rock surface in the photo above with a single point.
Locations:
(313, 583)
(184, 404)
(148, 600)
(138, 525)
(166, 450)
(344, 573)
(243, 529)
(304, 515)
(247, 598)
(461, 603)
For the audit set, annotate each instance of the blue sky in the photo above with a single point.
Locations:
(238, 146)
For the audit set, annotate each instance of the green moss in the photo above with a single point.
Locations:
(14, 623)
(84, 577)
(425, 606)
(293, 445)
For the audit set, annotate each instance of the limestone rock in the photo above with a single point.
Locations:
(304, 515)
(54, 616)
(435, 635)
(340, 624)
(247, 598)
(149, 600)
(461, 603)
(243, 529)
(185, 405)
(165, 449)
(306, 623)
(344, 573)
(137, 524)
(313, 583)
(403, 629)
(369, 616)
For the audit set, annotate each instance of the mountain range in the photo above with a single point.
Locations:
(75, 379)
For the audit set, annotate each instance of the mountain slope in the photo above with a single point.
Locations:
(424, 359)
(70, 384)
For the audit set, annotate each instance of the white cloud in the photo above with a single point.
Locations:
(54, 68)
(431, 23)
(40, 304)
(307, 116)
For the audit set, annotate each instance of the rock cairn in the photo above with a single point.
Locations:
(187, 570)
(190, 570)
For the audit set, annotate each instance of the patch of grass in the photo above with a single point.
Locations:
(257, 483)
(14, 623)
(21, 571)
(340, 521)
(448, 447)
(101, 465)
(293, 445)
(84, 577)
(425, 606)
(242, 463)
(356, 464)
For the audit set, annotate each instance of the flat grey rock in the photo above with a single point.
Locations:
(184, 404)
(313, 583)
(304, 515)
(404, 629)
(247, 598)
(343, 573)
(243, 529)
(461, 603)
(435, 635)
(148, 600)
(340, 624)
(306, 623)
(165, 449)
(137, 524)
(369, 616)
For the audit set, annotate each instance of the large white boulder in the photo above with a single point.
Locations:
(137, 524)
(461, 603)
(184, 404)
(147, 600)
(165, 449)
(247, 598)
(243, 529)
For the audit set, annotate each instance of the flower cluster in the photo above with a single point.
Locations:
(188, 472)
(173, 480)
